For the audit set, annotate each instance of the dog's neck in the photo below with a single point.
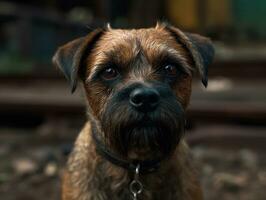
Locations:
(143, 165)
(118, 178)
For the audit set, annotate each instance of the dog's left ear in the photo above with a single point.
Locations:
(70, 56)
(200, 49)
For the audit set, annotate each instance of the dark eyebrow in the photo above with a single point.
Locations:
(94, 74)
(107, 58)
(112, 58)
(99, 68)
(168, 57)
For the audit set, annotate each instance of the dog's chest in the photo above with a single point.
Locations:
(103, 185)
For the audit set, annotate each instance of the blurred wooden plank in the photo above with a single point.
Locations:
(229, 100)
(225, 136)
(43, 96)
(240, 53)
(240, 101)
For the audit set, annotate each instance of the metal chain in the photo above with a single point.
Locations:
(136, 186)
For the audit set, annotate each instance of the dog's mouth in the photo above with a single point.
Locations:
(140, 136)
(151, 137)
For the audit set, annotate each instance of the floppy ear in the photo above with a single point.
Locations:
(200, 49)
(70, 56)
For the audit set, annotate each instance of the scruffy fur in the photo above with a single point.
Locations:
(88, 176)
(139, 54)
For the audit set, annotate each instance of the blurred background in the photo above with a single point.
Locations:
(39, 118)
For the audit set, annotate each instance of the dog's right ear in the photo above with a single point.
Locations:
(70, 56)
(200, 48)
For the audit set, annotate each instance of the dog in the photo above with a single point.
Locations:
(137, 86)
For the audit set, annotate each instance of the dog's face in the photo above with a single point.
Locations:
(137, 83)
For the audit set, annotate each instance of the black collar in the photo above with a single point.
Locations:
(145, 167)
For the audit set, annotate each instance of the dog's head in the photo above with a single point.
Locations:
(137, 83)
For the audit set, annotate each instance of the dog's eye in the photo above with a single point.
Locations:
(109, 73)
(170, 70)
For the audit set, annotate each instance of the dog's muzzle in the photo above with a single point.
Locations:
(143, 117)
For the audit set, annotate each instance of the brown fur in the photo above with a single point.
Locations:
(137, 52)
(88, 176)
(122, 45)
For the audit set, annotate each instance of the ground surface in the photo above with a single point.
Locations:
(31, 165)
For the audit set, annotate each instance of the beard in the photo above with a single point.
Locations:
(158, 132)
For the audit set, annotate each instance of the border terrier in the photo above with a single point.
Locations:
(137, 86)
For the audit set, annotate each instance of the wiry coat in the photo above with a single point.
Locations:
(138, 54)
(89, 177)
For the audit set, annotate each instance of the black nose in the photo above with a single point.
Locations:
(144, 99)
